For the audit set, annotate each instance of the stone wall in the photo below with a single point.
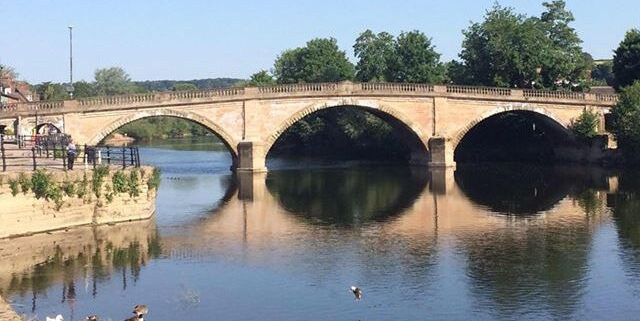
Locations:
(23, 214)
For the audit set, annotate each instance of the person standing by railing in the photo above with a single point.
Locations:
(71, 154)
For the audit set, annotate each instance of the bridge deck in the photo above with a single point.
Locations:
(305, 90)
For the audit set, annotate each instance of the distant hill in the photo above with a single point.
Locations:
(167, 85)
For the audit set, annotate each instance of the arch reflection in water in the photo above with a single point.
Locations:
(347, 197)
(510, 189)
(435, 249)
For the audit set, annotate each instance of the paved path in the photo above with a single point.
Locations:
(20, 160)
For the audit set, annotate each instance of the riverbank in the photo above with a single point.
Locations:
(44, 201)
(119, 139)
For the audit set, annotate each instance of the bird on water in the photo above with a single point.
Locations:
(357, 292)
(57, 318)
(92, 318)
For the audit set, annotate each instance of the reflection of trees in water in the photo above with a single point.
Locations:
(513, 189)
(626, 216)
(94, 264)
(347, 197)
(540, 266)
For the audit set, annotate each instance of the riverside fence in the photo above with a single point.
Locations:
(50, 151)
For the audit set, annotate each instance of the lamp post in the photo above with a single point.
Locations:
(70, 87)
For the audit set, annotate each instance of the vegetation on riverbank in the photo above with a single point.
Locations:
(56, 187)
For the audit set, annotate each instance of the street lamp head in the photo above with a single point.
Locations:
(70, 27)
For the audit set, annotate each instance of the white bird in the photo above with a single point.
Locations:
(57, 318)
(357, 292)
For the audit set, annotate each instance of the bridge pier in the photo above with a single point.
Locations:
(251, 185)
(441, 152)
(251, 157)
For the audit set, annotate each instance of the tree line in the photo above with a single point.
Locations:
(504, 49)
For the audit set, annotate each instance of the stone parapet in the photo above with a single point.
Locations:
(301, 90)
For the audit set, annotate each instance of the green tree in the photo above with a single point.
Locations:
(319, 61)
(113, 81)
(415, 60)
(626, 60)
(261, 78)
(505, 50)
(567, 64)
(513, 50)
(626, 121)
(585, 126)
(184, 86)
(52, 91)
(602, 73)
(373, 52)
(83, 89)
(456, 73)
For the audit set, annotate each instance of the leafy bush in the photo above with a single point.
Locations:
(54, 193)
(120, 182)
(99, 173)
(626, 122)
(25, 183)
(69, 188)
(154, 181)
(41, 183)
(109, 193)
(81, 191)
(585, 126)
(13, 185)
(134, 181)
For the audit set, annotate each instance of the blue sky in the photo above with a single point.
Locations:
(207, 39)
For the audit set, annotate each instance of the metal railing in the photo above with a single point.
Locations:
(32, 153)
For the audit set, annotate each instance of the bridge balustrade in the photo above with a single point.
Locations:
(49, 107)
(607, 97)
(473, 90)
(196, 94)
(396, 87)
(117, 100)
(292, 88)
(553, 94)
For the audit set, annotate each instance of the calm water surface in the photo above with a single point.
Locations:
(482, 242)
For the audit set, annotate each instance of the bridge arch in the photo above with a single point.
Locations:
(515, 134)
(545, 114)
(216, 129)
(385, 112)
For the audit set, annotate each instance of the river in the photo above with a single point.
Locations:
(484, 242)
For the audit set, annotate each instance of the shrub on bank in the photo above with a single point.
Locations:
(43, 185)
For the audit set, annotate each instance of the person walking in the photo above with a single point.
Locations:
(71, 154)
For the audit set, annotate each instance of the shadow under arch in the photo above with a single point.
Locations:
(512, 135)
(513, 190)
(214, 128)
(401, 124)
(347, 197)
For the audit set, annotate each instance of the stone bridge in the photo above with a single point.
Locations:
(432, 118)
